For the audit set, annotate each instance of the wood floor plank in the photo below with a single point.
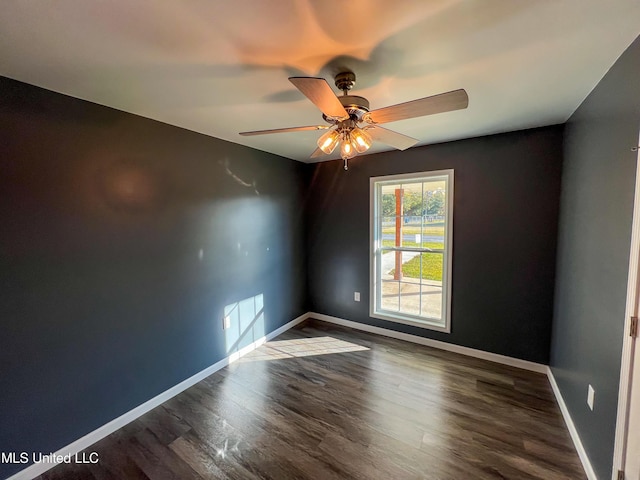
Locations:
(164, 425)
(327, 402)
(155, 459)
(197, 459)
(114, 462)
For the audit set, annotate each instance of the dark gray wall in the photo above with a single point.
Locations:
(504, 241)
(105, 297)
(593, 253)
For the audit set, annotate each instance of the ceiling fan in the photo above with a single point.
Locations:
(352, 125)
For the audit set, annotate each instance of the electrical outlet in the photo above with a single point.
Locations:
(226, 322)
(590, 396)
(356, 296)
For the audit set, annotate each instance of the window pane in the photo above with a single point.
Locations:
(431, 287)
(388, 201)
(404, 234)
(434, 214)
(410, 298)
(388, 229)
(407, 262)
(432, 266)
(431, 306)
(387, 264)
(390, 298)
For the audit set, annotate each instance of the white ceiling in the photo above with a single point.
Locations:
(221, 67)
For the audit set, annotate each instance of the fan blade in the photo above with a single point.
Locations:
(395, 139)
(317, 153)
(319, 92)
(284, 130)
(445, 102)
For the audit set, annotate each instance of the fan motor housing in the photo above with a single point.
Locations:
(355, 102)
(355, 105)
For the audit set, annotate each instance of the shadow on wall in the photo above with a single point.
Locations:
(134, 185)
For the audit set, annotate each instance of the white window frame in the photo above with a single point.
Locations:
(375, 242)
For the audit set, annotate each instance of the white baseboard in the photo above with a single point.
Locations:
(470, 352)
(582, 453)
(89, 439)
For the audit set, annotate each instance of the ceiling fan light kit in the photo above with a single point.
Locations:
(352, 125)
(351, 138)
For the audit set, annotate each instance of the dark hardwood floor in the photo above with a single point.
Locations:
(325, 402)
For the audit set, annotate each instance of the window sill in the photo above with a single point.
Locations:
(426, 324)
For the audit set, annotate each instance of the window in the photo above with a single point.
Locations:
(411, 238)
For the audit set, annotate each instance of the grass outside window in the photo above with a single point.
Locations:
(431, 267)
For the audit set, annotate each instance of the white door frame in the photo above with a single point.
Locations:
(628, 342)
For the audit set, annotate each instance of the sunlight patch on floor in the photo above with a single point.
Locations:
(301, 347)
